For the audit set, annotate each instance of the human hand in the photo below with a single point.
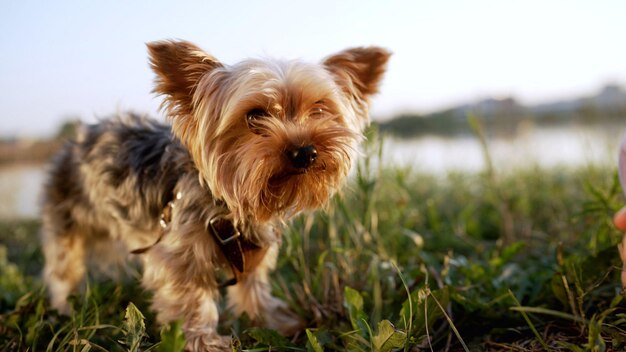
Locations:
(620, 222)
(620, 219)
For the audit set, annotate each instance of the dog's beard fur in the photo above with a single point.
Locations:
(321, 105)
(251, 172)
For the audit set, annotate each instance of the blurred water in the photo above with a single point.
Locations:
(571, 146)
(20, 187)
(544, 147)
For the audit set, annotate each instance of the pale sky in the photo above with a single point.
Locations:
(87, 58)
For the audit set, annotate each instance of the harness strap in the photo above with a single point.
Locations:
(164, 221)
(227, 238)
(242, 255)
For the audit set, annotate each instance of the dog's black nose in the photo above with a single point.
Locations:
(302, 157)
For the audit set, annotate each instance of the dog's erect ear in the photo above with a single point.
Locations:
(179, 66)
(358, 71)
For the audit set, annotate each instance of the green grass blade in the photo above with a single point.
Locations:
(530, 324)
(545, 311)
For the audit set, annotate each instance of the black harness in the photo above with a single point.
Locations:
(234, 247)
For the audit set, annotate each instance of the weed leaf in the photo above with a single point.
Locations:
(388, 337)
(269, 337)
(354, 304)
(313, 344)
(172, 338)
(595, 342)
(134, 326)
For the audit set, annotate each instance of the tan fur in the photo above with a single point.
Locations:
(65, 276)
(232, 162)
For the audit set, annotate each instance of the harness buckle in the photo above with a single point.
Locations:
(223, 229)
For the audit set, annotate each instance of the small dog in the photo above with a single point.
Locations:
(249, 146)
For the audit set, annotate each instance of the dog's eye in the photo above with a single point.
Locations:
(319, 109)
(253, 117)
(256, 114)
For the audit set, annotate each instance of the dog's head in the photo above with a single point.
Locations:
(269, 138)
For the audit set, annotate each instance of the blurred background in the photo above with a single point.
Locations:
(547, 80)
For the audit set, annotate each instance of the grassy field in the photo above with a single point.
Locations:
(520, 261)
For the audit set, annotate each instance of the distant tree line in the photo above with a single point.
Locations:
(18, 150)
(506, 116)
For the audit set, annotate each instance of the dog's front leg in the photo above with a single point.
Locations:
(184, 291)
(252, 295)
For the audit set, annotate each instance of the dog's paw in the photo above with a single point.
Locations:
(61, 305)
(208, 343)
(283, 320)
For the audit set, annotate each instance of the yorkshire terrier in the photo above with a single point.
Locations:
(249, 146)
